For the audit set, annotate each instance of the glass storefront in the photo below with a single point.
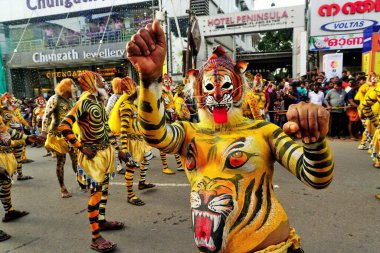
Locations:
(108, 25)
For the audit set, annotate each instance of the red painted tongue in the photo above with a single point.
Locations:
(220, 114)
(203, 226)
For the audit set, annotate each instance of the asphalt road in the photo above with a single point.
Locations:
(341, 219)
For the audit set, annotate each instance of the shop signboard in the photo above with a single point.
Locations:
(333, 65)
(342, 17)
(252, 21)
(68, 55)
(336, 42)
(25, 9)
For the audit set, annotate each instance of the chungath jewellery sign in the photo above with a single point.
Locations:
(73, 54)
(252, 21)
(335, 42)
(24, 9)
(64, 56)
(342, 17)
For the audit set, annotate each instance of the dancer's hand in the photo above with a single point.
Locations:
(31, 139)
(307, 121)
(123, 157)
(146, 51)
(88, 152)
(43, 135)
(4, 175)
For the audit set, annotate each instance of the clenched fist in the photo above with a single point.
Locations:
(146, 50)
(307, 121)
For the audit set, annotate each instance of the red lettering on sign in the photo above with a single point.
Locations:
(349, 8)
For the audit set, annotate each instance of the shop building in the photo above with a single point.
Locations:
(336, 26)
(46, 41)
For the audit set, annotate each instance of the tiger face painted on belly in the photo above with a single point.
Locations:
(231, 195)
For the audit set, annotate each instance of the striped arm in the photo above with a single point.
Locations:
(312, 164)
(152, 123)
(111, 103)
(372, 97)
(66, 125)
(15, 135)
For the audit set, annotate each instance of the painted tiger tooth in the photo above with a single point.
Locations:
(211, 243)
(216, 223)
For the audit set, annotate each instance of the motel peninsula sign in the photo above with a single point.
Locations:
(252, 21)
(73, 54)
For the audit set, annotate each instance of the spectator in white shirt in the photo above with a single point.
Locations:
(316, 96)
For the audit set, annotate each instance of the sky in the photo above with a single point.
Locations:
(266, 4)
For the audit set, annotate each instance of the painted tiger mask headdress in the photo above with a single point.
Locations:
(218, 84)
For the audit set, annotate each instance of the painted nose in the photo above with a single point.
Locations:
(206, 196)
(218, 94)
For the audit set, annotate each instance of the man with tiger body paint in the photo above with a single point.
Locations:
(96, 156)
(8, 165)
(171, 116)
(371, 99)
(37, 115)
(369, 129)
(56, 109)
(132, 141)
(229, 159)
(251, 107)
(12, 120)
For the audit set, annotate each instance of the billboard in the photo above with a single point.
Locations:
(25, 9)
(252, 21)
(336, 42)
(342, 17)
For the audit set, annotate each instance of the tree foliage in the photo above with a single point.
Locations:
(276, 41)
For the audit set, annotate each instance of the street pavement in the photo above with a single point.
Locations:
(341, 219)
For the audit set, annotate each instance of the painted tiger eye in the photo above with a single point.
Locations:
(238, 159)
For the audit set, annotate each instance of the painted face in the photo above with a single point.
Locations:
(40, 101)
(167, 81)
(7, 100)
(217, 91)
(218, 85)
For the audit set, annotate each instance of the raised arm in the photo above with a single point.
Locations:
(21, 118)
(371, 98)
(146, 51)
(313, 163)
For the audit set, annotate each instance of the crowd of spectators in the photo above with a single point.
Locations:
(336, 94)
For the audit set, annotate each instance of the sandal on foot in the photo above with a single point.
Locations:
(4, 236)
(143, 186)
(376, 166)
(21, 178)
(103, 245)
(168, 171)
(136, 201)
(13, 215)
(110, 225)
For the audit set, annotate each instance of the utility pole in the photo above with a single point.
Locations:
(188, 40)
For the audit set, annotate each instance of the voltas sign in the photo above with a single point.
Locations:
(341, 17)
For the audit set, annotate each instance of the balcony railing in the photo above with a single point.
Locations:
(69, 41)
